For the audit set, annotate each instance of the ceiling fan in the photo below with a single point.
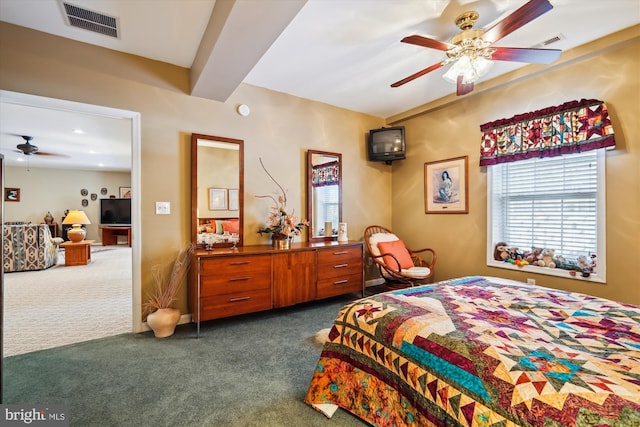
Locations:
(470, 51)
(28, 149)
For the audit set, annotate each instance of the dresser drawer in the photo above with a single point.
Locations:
(236, 266)
(211, 286)
(216, 307)
(229, 275)
(339, 256)
(339, 284)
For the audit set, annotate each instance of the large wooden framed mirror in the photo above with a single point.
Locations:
(217, 191)
(324, 194)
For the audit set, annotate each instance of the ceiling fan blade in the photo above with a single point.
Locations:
(426, 42)
(525, 14)
(416, 75)
(45, 153)
(463, 88)
(536, 56)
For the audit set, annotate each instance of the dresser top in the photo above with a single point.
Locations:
(268, 249)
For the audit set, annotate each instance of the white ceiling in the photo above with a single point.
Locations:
(341, 52)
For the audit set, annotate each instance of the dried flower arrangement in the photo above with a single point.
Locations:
(282, 224)
(166, 290)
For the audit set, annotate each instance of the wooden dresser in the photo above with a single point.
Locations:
(224, 282)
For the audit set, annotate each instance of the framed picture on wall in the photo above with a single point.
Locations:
(125, 192)
(11, 194)
(218, 199)
(445, 186)
(233, 199)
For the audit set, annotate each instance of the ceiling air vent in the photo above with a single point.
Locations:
(89, 20)
(552, 40)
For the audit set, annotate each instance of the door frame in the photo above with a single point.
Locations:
(134, 118)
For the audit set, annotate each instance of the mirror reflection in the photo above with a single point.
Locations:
(324, 194)
(217, 191)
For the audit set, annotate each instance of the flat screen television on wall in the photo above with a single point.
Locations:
(386, 144)
(115, 212)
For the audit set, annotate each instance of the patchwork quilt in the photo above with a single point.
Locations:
(482, 351)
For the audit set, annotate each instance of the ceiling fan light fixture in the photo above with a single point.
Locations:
(471, 69)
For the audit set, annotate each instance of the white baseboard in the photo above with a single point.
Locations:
(374, 282)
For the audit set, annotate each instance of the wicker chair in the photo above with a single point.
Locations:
(398, 265)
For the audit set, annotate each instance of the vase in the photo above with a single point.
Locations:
(283, 244)
(280, 241)
(163, 321)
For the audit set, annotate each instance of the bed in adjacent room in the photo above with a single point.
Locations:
(482, 351)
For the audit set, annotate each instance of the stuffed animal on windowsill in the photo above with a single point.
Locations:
(501, 252)
(546, 258)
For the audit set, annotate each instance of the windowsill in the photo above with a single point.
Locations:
(558, 272)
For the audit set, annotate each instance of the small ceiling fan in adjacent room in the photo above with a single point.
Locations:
(28, 149)
(471, 53)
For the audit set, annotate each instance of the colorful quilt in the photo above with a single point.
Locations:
(482, 351)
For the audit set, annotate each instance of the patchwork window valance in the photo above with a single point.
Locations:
(568, 128)
(325, 174)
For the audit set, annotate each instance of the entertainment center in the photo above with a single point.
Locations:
(110, 235)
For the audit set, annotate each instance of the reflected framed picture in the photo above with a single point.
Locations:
(446, 185)
(125, 192)
(11, 194)
(218, 199)
(233, 199)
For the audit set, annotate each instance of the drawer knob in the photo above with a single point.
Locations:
(341, 253)
(239, 263)
(341, 266)
(237, 279)
(238, 299)
(340, 282)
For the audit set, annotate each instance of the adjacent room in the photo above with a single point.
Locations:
(371, 212)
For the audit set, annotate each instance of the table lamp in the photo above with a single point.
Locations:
(77, 219)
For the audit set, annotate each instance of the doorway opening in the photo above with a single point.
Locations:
(133, 120)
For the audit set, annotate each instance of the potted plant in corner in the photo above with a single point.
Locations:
(162, 318)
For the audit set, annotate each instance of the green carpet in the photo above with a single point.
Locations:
(250, 370)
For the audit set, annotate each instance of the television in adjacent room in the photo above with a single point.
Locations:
(386, 144)
(115, 212)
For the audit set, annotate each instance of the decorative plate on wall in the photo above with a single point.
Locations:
(94, 196)
(84, 192)
(103, 191)
(85, 202)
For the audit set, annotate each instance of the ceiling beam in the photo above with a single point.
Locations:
(237, 36)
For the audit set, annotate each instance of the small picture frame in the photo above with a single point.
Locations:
(11, 194)
(445, 186)
(218, 199)
(233, 199)
(125, 192)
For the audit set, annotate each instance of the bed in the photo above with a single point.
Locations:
(482, 351)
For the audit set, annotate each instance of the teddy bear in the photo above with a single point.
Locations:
(501, 252)
(546, 258)
(532, 257)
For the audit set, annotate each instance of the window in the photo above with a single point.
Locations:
(553, 202)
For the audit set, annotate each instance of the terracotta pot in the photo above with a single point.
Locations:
(163, 321)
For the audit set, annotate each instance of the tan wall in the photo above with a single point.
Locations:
(279, 130)
(454, 130)
(54, 190)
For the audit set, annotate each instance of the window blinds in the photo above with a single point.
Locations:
(548, 203)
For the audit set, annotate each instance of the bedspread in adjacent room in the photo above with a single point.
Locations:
(482, 351)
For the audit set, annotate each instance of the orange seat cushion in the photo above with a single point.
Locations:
(397, 249)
